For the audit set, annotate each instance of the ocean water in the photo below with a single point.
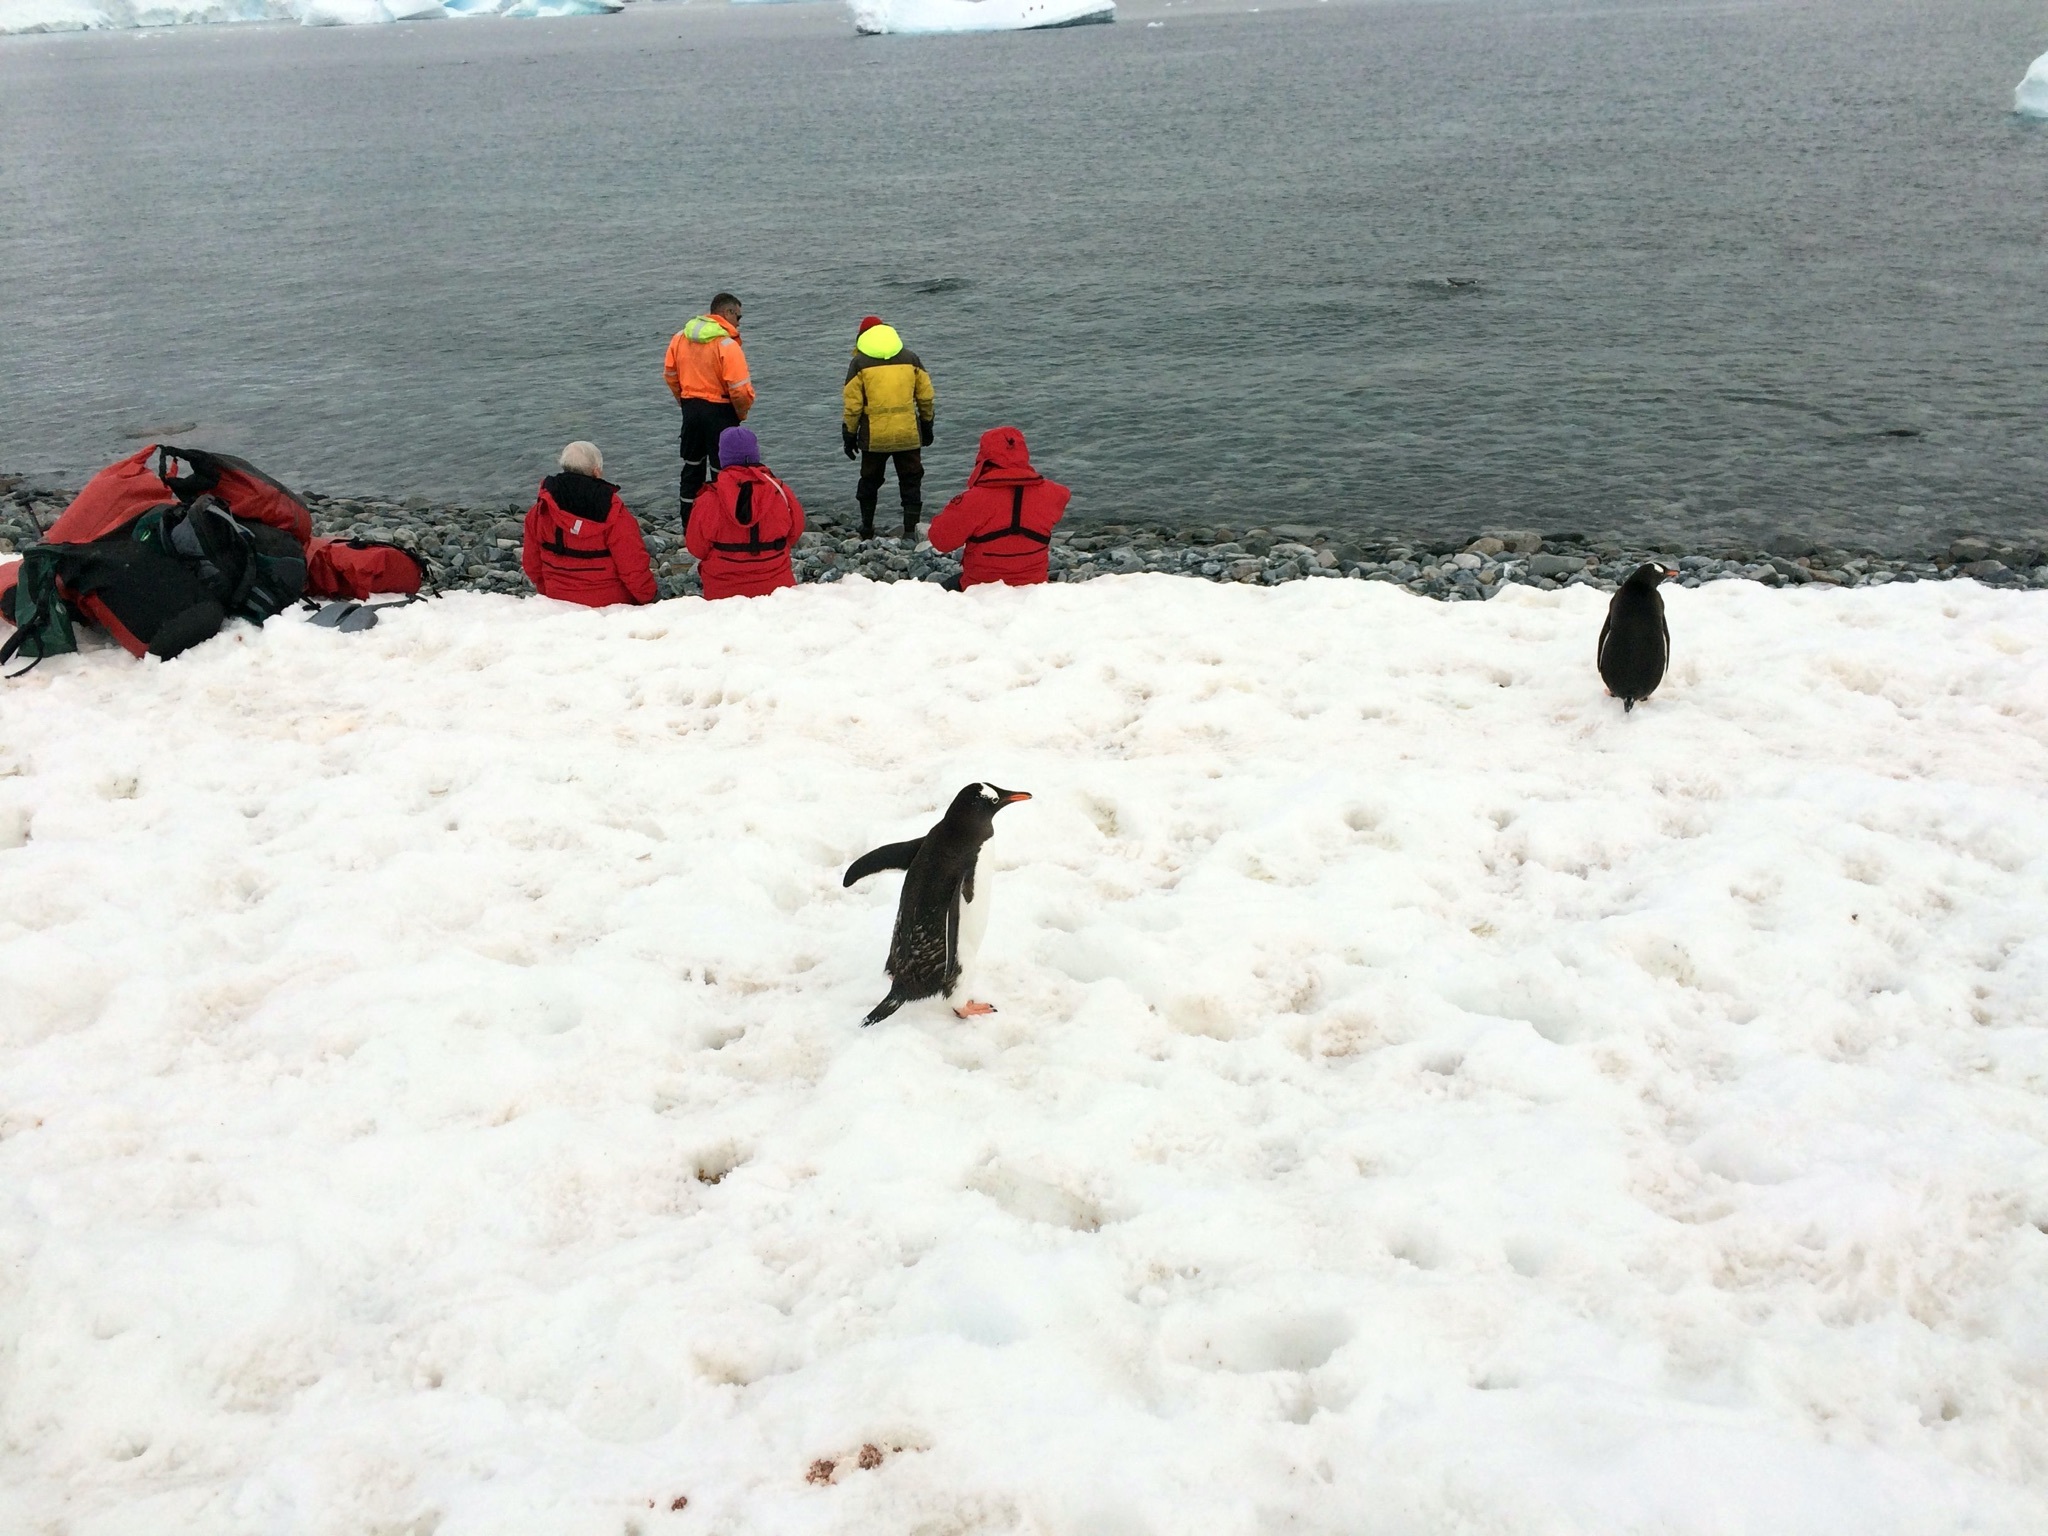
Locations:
(1686, 270)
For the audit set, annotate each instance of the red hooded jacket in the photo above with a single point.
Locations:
(742, 529)
(583, 546)
(1005, 517)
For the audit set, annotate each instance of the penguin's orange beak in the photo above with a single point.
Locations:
(1012, 796)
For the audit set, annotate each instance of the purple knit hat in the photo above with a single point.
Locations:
(738, 445)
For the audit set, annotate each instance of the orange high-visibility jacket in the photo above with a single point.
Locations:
(705, 363)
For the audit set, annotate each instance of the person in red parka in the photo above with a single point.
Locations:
(581, 544)
(1004, 519)
(744, 524)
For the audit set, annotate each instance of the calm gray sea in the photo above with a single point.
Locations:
(1707, 269)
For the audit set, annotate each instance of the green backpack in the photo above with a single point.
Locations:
(42, 624)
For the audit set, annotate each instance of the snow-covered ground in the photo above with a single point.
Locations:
(2030, 97)
(20, 16)
(1423, 1100)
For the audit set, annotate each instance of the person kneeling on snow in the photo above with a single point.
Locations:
(581, 544)
(744, 523)
(1003, 521)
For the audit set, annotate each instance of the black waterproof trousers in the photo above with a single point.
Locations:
(874, 467)
(703, 420)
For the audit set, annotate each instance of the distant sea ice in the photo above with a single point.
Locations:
(909, 16)
(18, 16)
(365, 13)
(532, 9)
(104, 15)
(2031, 98)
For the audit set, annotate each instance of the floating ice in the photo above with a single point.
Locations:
(2030, 97)
(17, 16)
(908, 16)
(113, 15)
(362, 13)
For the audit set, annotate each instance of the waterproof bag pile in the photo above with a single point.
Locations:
(159, 555)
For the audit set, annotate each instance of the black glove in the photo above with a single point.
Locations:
(850, 443)
(924, 432)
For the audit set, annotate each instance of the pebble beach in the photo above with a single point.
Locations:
(476, 548)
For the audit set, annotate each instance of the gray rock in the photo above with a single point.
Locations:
(1555, 566)
(1969, 551)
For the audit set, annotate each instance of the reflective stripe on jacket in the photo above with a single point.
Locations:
(1002, 523)
(583, 546)
(887, 393)
(742, 529)
(705, 362)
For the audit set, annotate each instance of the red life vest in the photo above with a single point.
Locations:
(583, 546)
(1002, 523)
(742, 529)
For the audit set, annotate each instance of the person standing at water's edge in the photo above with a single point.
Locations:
(889, 407)
(707, 373)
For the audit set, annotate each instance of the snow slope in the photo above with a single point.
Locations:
(18, 16)
(2030, 97)
(1423, 1100)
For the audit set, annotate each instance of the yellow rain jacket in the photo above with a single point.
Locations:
(888, 393)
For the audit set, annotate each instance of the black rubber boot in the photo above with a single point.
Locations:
(910, 517)
(867, 519)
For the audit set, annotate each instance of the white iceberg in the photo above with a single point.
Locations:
(874, 17)
(2030, 97)
(18, 16)
(365, 13)
(529, 10)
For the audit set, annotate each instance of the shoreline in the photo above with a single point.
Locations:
(476, 548)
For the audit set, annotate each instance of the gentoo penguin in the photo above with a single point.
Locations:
(944, 908)
(1635, 642)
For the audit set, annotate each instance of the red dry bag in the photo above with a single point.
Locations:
(360, 568)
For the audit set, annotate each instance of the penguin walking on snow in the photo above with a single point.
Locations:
(1635, 642)
(944, 907)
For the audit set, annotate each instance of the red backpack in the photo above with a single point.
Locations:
(360, 568)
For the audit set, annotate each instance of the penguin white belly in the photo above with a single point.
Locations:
(973, 922)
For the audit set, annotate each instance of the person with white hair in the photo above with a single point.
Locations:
(582, 545)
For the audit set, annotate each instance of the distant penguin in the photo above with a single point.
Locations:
(944, 908)
(1635, 642)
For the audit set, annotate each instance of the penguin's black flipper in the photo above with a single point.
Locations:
(883, 1009)
(888, 856)
(1600, 650)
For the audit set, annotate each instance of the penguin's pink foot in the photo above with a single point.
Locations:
(973, 1010)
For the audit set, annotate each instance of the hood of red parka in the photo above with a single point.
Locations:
(1002, 459)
